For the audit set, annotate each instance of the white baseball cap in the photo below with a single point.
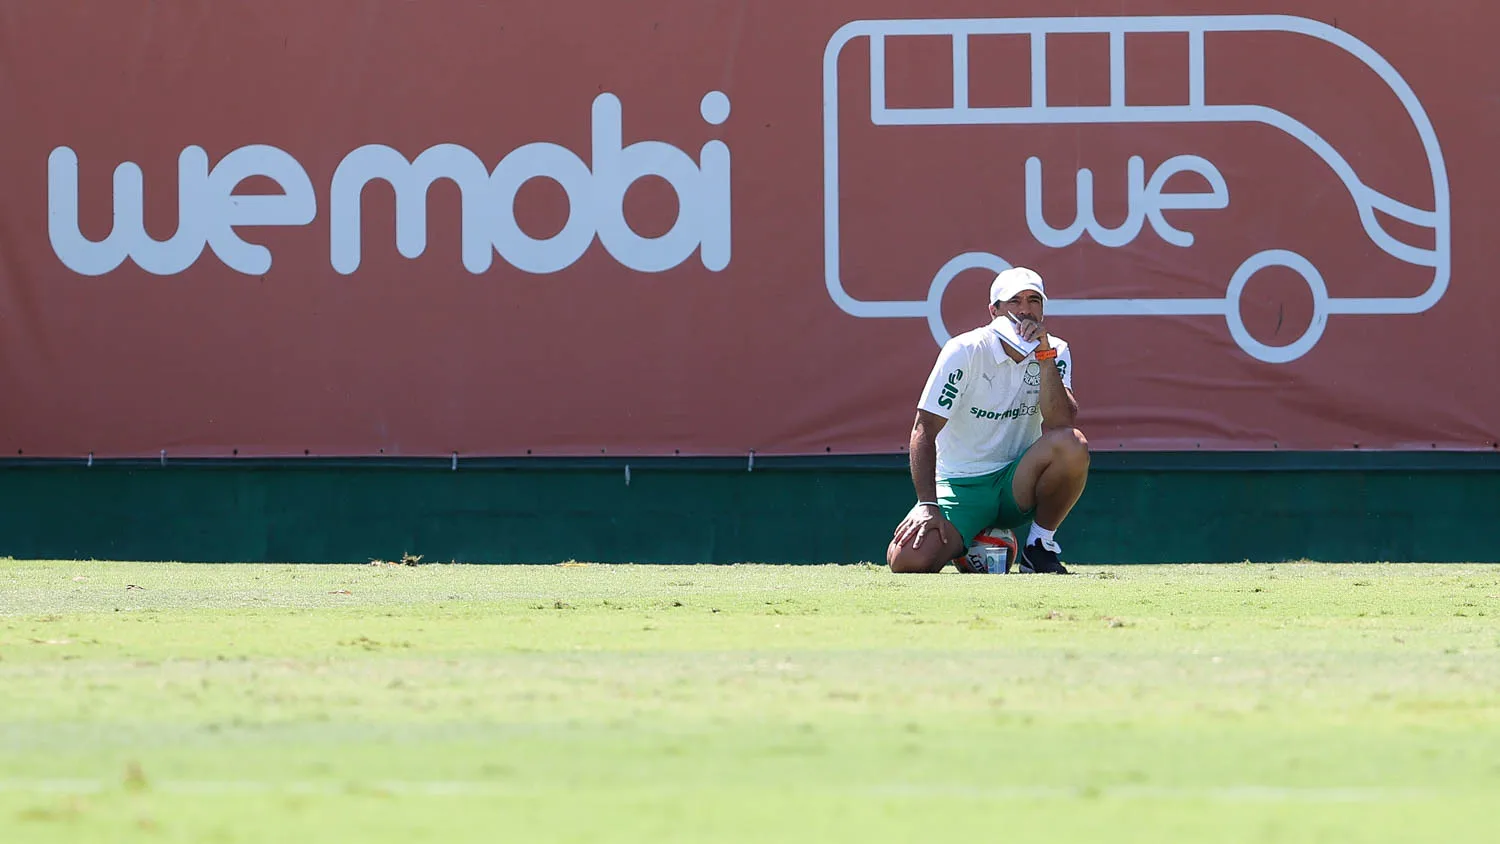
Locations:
(1012, 281)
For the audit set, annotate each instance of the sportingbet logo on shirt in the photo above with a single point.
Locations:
(1013, 413)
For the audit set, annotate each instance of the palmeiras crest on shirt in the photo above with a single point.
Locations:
(1033, 374)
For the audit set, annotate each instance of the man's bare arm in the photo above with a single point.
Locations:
(1059, 407)
(929, 519)
(923, 446)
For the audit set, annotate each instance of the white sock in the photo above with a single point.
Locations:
(1042, 535)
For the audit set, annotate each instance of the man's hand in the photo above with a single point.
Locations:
(923, 520)
(1032, 329)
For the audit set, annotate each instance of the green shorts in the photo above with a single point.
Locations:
(981, 502)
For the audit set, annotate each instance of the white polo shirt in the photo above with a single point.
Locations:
(989, 400)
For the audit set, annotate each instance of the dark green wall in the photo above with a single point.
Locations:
(1138, 508)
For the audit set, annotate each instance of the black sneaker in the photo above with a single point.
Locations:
(1037, 558)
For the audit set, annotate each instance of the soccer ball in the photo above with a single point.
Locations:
(992, 552)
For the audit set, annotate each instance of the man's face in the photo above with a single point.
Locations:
(1026, 305)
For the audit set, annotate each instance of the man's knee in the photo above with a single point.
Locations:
(931, 557)
(1070, 447)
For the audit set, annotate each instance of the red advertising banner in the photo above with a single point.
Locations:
(705, 228)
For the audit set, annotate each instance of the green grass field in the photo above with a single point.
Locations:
(1286, 703)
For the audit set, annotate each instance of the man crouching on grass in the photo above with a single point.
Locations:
(994, 443)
